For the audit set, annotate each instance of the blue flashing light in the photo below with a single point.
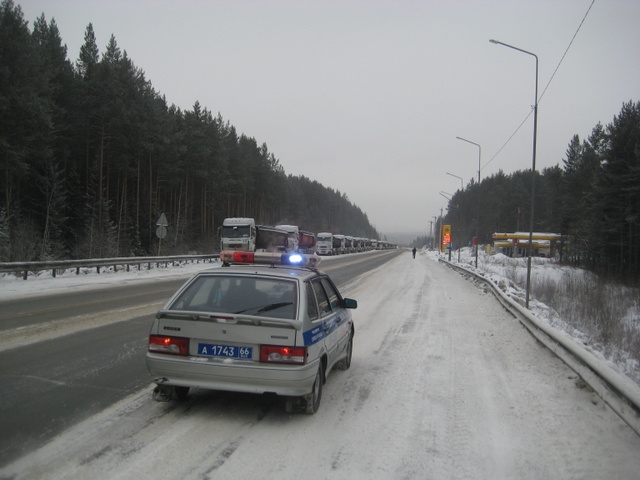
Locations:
(293, 259)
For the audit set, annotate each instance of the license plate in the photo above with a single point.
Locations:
(226, 351)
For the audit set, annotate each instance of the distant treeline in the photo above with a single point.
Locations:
(91, 155)
(593, 199)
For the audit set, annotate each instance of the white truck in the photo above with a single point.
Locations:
(238, 233)
(271, 239)
(349, 244)
(294, 236)
(324, 243)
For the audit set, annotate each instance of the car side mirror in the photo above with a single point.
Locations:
(349, 303)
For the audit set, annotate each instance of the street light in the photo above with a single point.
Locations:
(433, 237)
(533, 162)
(460, 178)
(479, 158)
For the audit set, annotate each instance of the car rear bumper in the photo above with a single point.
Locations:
(235, 376)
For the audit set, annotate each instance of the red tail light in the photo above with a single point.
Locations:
(275, 354)
(169, 345)
(236, 256)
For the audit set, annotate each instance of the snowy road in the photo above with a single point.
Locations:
(444, 384)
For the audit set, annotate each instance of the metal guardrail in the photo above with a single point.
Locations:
(617, 390)
(23, 268)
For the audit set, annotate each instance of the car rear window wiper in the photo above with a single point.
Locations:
(274, 306)
(266, 308)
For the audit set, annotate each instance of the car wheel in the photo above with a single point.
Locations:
(345, 363)
(313, 399)
(181, 392)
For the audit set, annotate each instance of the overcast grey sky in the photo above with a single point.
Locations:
(368, 96)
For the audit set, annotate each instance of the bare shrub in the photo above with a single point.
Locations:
(546, 290)
(600, 313)
(606, 313)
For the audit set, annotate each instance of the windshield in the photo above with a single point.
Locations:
(247, 295)
(236, 231)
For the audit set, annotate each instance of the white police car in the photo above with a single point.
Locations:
(264, 322)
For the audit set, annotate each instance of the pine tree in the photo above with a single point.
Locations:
(23, 116)
(5, 237)
(619, 192)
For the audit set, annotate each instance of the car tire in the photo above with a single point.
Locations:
(181, 392)
(313, 399)
(345, 363)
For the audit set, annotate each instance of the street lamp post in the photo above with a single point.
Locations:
(533, 163)
(440, 239)
(478, 219)
(433, 236)
(459, 178)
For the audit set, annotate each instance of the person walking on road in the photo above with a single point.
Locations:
(414, 252)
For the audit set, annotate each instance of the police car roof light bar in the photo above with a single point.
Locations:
(269, 258)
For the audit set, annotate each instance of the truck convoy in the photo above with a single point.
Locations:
(242, 233)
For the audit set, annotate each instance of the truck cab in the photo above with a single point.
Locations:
(238, 233)
(294, 236)
(324, 243)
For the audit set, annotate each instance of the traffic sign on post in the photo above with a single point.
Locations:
(161, 231)
(162, 221)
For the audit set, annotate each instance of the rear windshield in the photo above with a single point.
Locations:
(264, 297)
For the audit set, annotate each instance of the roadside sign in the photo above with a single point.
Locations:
(161, 232)
(446, 236)
(162, 221)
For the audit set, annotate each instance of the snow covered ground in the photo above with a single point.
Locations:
(508, 272)
(444, 384)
